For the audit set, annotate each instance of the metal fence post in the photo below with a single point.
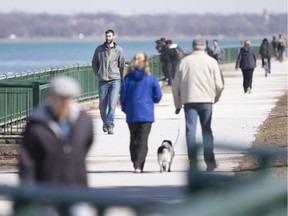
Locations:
(36, 93)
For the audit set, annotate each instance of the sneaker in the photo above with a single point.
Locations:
(137, 170)
(211, 167)
(249, 90)
(110, 131)
(104, 128)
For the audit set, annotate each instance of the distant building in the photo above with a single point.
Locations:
(266, 18)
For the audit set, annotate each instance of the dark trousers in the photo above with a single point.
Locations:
(169, 72)
(247, 78)
(139, 132)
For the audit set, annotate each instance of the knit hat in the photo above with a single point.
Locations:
(199, 44)
(64, 86)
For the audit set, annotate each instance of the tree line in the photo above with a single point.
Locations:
(23, 25)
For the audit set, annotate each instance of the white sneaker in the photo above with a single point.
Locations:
(249, 90)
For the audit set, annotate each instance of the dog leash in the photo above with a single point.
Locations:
(178, 133)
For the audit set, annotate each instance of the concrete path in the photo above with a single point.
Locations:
(236, 118)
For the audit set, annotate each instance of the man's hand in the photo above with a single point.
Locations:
(177, 111)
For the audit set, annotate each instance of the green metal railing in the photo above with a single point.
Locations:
(19, 93)
(231, 54)
(17, 98)
(81, 72)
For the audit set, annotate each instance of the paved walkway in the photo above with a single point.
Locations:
(236, 118)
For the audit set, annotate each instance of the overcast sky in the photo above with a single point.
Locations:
(135, 7)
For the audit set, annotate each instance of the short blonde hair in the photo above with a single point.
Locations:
(247, 43)
(140, 60)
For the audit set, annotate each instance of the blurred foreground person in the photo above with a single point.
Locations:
(139, 91)
(198, 85)
(56, 140)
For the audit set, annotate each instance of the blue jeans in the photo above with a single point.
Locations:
(268, 57)
(204, 111)
(108, 96)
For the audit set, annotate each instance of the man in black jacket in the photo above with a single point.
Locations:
(57, 138)
(55, 143)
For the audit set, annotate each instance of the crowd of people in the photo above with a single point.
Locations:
(59, 134)
(246, 59)
(279, 47)
(171, 54)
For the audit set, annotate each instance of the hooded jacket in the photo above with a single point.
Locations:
(138, 94)
(108, 63)
(265, 48)
(47, 156)
(246, 58)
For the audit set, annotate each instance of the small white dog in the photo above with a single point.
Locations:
(165, 155)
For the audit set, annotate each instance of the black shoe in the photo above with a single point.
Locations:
(211, 166)
(104, 128)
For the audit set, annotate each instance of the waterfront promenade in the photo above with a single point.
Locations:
(236, 118)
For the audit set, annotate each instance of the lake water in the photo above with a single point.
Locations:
(25, 55)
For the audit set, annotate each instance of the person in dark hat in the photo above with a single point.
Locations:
(167, 56)
(160, 47)
(198, 85)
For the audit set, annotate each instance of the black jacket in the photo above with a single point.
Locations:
(46, 157)
(246, 58)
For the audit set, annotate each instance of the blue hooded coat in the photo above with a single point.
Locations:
(138, 94)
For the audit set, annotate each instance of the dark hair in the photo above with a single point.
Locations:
(110, 31)
(168, 41)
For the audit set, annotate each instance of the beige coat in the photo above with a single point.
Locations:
(197, 80)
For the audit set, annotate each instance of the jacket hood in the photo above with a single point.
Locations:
(247, 48)
(138, 73)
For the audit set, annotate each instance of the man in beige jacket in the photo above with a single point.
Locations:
(198, 85)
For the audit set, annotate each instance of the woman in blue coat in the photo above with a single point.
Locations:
(246, 60)
(139, 91)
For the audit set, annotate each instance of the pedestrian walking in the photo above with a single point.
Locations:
(108, 65)
(246, 60)
(282, 43)
(56, 140)
(218, 52)
(160, 47)
(274, 44)
(198, 85)
(140, 90)
(265, 51)
(208, 50)
(167, 56)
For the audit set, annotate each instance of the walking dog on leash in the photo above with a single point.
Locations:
(165, 155)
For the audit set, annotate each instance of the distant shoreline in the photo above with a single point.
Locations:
(129, 38)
